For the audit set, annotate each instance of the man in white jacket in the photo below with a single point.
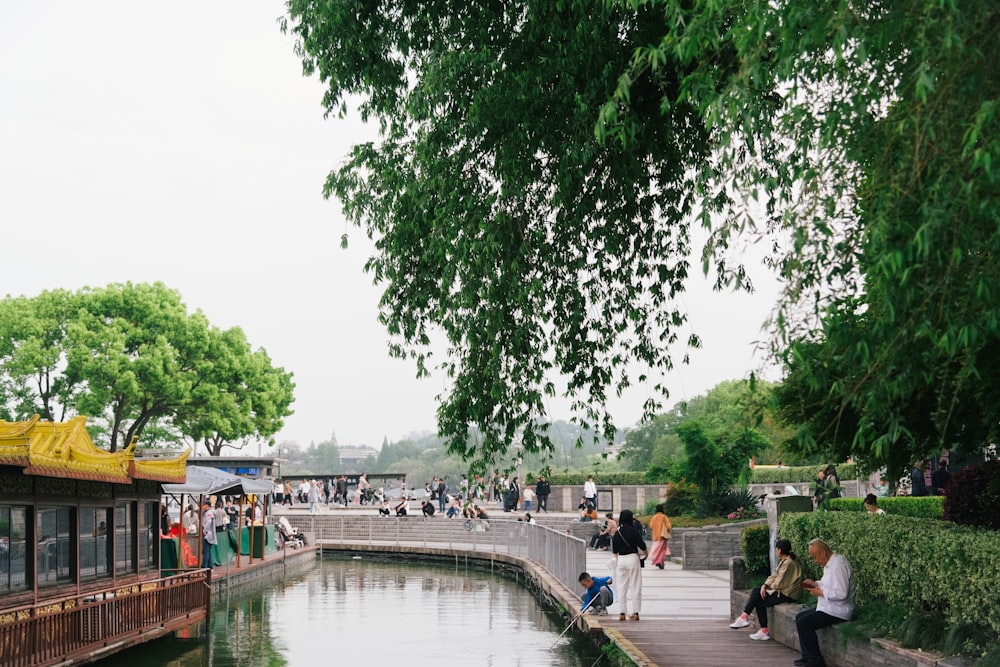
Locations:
(834, 604)
(590, 492)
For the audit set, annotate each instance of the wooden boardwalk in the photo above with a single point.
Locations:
(695, 644)
(684, 622)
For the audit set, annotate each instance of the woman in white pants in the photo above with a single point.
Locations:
(626, 544)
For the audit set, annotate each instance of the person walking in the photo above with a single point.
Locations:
(233, 513)
(442, 494)
(626, 544)
(940, 478)
(513, 496)
(660, 526)
(918, 487)
(208, 538)
(781, 586)
(313, 496)
(542, 491)
(341, 496)
(287, 500)
(590, 491)
(528, 496)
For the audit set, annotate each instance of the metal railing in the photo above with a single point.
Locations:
(54, 631)
(561, 554)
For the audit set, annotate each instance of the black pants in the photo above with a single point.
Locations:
(807, 622)
(760, 604)
(598, 541)
(543, 503)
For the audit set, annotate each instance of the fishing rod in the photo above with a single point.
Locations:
(573, 622)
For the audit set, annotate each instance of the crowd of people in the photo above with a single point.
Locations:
(626, 538)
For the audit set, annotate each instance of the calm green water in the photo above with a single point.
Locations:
(377, 614)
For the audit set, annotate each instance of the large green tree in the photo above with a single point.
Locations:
(130, 357)
(541, 163)
(33, 354)
(885, 184)
(726, 413)
(497, 216)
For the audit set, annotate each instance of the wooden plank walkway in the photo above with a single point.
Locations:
(696, 644)
(684, 622)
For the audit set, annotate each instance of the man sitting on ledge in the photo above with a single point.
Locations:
(834, 604)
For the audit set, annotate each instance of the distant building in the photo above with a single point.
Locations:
(356, 456)
(252, 467)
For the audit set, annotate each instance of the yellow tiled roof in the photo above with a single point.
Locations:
(64, 449)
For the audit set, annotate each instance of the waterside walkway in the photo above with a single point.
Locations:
(685, 613)
(684, 622)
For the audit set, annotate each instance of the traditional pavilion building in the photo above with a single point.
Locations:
(79, 547)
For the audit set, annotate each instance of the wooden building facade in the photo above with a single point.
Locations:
(79, 547)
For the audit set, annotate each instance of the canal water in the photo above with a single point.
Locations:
(377, 613)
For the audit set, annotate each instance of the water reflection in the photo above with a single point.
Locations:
(366, 610)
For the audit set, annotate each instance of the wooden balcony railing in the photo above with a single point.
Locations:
(56, 631)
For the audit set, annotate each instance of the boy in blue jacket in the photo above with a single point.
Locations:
(597, 593)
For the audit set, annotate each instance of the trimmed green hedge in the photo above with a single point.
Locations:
(601, 479)
(922, 564)
(793, 474)
(756, 542)
(924, 507)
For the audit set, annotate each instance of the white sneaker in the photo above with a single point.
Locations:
(740, 622)
(760, 636)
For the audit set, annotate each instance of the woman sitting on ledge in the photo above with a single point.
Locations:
(782, 586)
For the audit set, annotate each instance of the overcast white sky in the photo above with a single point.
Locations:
(180, 143)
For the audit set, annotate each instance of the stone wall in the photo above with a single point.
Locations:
(636, 496)
(850, 488)
(632, 497)
(710, 547)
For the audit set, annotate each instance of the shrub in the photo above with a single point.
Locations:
(974, 496)
(756, 542)
(795, 474)
(927, 507)
(922, 564)
(602, 479)
(747, 505)
(714, 502)
(692, 522)
(681, 498)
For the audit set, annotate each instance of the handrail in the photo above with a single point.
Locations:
(561, 554)
(53, 631)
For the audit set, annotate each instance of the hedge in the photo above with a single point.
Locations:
(923, 507)
(756, 542)
(786, 475)
(921, 564)
(601, 479)
(795, 474)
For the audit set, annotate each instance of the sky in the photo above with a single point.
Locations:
(181, 143)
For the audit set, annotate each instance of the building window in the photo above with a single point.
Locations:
(13, 548)
(95, 542)
(55, 545)
(149, 532)
(124, 541)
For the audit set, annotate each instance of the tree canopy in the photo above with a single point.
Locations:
(542, 164)
(726, 414)
(131, 358)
